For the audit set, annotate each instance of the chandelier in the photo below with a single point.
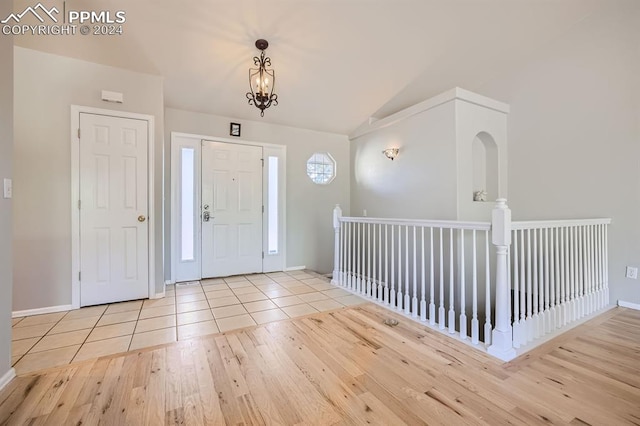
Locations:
(262, 80)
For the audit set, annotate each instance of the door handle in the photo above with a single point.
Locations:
(141, 218)
(206, 216)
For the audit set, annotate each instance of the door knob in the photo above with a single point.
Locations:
(141, 218)
(206, 216)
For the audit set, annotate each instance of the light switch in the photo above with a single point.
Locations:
(8, 188)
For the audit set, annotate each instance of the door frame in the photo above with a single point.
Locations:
(282, 186)
(76, 110)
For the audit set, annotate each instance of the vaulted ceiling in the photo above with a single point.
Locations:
(337, 62)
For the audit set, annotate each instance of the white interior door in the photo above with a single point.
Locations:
(231, 209)
(114, 244)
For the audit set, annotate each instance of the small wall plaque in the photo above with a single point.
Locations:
(234, 130)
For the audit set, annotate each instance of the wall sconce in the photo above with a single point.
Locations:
(391, 153)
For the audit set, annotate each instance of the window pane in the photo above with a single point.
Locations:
(187, 208)
(321, 168)
(273, 205)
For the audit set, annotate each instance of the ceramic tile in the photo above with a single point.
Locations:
(276, 274)
(284, 279)
(233, 323)
(336, 292)
(261, 305)
(288, 301)
(313, 297)
(252, 297)
(239, 284)
(301, 276)
(323, 287)
(192, 306)
(90, 311)
(157, 311)
(110, 331)
(219, 293)
(46, 359)
(55, 341)
(223, 301)
(277, 293)
(215, 287)
(41, 319)
(21, 347)
(154, 303)
(326, 305)
(270, 315)
(117, 308)
(15, 321)
(74, 324)
(194, 316)
(212, 281)
(270, 287)
(197, 329)
(245, 290)
(18, 333)
(350, 300)
(191, 289)
(153, 338)
(302, 289)
(292, 283)
(314, 281)
(261, 281)
(228, 311)
(193, 297)
(156, 323)
(15, 359)
(118, 318)
(299, 310)
(235, 279)
(103, 347)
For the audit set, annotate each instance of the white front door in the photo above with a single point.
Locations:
(231, 209)
(114, 247)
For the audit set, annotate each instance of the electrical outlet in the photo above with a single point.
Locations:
(364, 212)
(632, 272)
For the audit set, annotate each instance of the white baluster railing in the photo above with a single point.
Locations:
(534, 278)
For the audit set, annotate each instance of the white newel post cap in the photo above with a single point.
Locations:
(501, 223)
(337, 214)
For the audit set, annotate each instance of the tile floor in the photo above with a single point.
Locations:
(188, 310)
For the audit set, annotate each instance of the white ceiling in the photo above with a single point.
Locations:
(337, 62)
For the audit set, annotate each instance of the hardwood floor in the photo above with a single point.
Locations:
(344, 367)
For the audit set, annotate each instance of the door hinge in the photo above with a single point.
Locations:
(79, 275)
(263, 255)
(262, 209)
(262, 159)
(79, 204)
(78, 132)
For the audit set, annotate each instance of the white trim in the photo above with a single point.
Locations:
(295, 268)
(204, 138)
(169, 282)
(450, 95)
(76, 110)
(7, 377)
(629, 305)
(158, 295)
(40, 311)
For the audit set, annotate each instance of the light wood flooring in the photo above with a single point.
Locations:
(344, 367)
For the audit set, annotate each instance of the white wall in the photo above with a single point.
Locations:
(574, 133)
(6, 170)
(309, 206)
(421, 182)
(45, 87)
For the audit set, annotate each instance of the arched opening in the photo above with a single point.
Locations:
(485, 167)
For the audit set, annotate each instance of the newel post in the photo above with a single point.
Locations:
(337, 214)
(502, 336)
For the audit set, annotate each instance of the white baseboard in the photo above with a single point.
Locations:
(159, 295)
(295, 268)
(169, 282)
(8, 376)
(40, 311)
(629, 305)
